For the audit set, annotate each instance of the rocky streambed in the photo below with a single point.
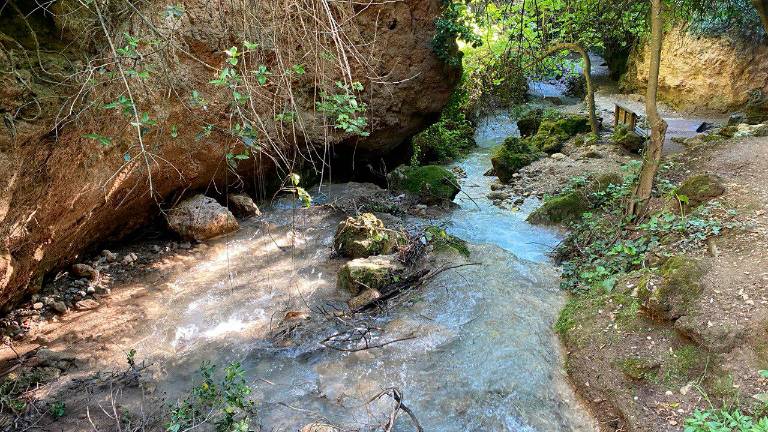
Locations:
(471, 349)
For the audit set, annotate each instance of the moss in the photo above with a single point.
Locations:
(700, 188)
(369, 273)
(553, 134)
(442, 241)
(364, 236)
(433, 184)
(680, 285)
(683, 364)
(510, 157)
(529, 123)
(562, 208)
(627, 139)
(639, 369)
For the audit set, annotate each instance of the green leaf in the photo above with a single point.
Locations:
(250, 45)
(174, 131)
(103, 140)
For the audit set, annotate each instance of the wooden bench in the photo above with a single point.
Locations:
(625, 116)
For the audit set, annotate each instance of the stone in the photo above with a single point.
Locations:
(627, 139)
(571, 205)
(498, 196)
(373, 272)
(698, 189)
(242, 205)
(85, 271)
(37, 306)
(201, 218)
(737, 118)
(319, 427)
(48, 357)
(513, 155)
(365, 235)
(558, 156)
(59, 307)
(87, 304)
(364, 298)
(130, 258)
(109, 255)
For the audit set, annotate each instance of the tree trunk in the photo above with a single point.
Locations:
(575, 47)
(652, 155)
(762, 10)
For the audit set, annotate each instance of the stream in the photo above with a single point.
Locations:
(480, 354)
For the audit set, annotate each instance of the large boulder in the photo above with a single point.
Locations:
(514, 154)
(372, 273)
(432, 184)
(365, 235)
(90, 181)
(201, 218)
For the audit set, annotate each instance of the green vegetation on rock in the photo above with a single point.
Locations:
(553, 134)
(431, 183)
(514, 154)
(679, 286)
(627, 139)
(699, 189)
(365, 235)
(374, 272)
(572, 203)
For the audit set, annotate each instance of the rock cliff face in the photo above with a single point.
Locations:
(80, 162)
(703, 72)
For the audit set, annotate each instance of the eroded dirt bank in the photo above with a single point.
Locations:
(98, 138)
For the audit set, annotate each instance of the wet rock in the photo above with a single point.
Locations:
(529, 123)
(511, 156)
(242, 205)
(365, 235)
(498, 196)
(201, 218)
(670, 293)
(87, 304)
(373, 272)
(85, 271)
(364, 298)
(431, 183)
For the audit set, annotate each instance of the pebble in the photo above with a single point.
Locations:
(109, 255)
(37, 306)
(85, 271)
(88, 304)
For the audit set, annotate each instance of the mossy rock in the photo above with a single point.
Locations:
(553, 134)
(373, 273)
(569, 206)
(444, 141)
(431, 183)
(365, 235)
(510, 157)
(529, 123)
(562, 208)
(627, 139)
(700, 188)
(670, 294)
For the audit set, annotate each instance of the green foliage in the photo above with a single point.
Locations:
(453, 23)
(611, 244)
(301, 193)
(225, 404)
(722, 420)
(431, 183)
(344, 109)
(57, 409)
(440, 240)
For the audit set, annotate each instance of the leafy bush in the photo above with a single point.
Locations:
(226, 405)
(453, 23)
(443, 141)
(724, 421)
(344, 109)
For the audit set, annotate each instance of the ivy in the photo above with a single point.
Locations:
(452, 24)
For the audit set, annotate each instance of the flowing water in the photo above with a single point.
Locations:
(479, 352)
